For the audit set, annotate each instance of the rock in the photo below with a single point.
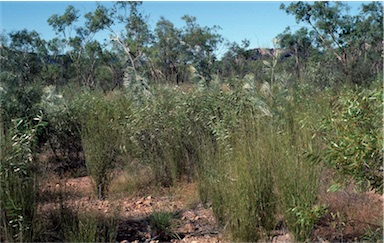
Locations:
(189, 228)
(140, 201)
(282, 238)
(147, 202)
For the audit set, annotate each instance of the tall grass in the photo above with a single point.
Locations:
(256, 169)
(70, 223)
(248, 150)
(86, 227)
(100, 139)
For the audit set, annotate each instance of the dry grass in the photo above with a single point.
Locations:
(350, 215)
(131, 181)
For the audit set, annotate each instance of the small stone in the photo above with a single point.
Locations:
(189, 228)
(140, 201)
(147, 202)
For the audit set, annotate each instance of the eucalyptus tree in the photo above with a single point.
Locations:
(354, 42)
(299, 44)
(166, 51)
(198, 46)
(133, 42)
(23, 58)
(234, 63)
(82, 50)
(177, 51)
(25, 55)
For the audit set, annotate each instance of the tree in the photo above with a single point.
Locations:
(199, 44)
(299, 44)
(166, 51)
(347, 38)
(25, 56)
(235, 60)
(133, 42)
(21, 63)
(81, 49)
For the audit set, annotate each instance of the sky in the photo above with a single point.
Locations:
(256, 21)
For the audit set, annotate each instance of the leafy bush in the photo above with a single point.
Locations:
(19, 101)
(63, 130)
(164, 131)
(354, 142)
(19, 184)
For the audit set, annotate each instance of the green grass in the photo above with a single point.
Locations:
(257, 168)
(162, 225)
(250, 152)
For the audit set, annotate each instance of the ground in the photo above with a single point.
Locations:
(195, 221)
(349, 212)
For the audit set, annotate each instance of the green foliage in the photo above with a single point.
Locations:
(240, 182)
(247, 131)
(354, 145)
(256, 167)
(100, 139)
(373, 235)
(68, 224)
(19, 101)
(351, 43)
(165, 137)
(63, 130)
(162, 225)
(87, 227)
(306, 217)
(19, 184)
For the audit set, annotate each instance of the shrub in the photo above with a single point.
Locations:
(256, 168)
(236, 175)
(354, 142)
(162, 225)
(19, 184)
(63, 131)
(297, 178)
(87, 227)
(100, 139)
(164, 132)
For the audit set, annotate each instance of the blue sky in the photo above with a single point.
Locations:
(257, 21)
